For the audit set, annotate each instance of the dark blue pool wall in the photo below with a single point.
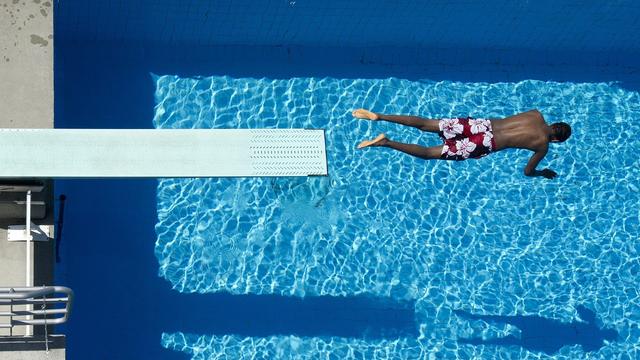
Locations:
(552, 27)
(469, 40)
(105, 52)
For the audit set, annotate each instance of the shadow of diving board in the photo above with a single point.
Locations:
(102, 153)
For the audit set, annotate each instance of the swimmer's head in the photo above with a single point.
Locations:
(560, 132)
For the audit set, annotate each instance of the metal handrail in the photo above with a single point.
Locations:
(36, 296)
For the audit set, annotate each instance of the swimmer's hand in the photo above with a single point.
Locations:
(548, 173)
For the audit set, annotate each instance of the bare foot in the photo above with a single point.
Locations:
(380, 140)
(365, 114)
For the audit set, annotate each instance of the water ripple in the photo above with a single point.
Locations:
(475, 235)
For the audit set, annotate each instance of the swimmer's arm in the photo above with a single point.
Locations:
(530, 169)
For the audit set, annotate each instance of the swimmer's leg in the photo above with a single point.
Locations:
(417, 122)
(427, 153)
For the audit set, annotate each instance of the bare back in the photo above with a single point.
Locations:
(526, 130)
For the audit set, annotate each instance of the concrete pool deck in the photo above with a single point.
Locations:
(26, 100)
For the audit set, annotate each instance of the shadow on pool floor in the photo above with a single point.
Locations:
(540, 334)
(268, 315)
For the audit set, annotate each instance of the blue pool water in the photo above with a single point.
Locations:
(476, 236)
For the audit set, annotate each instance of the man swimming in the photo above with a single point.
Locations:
(466, 138)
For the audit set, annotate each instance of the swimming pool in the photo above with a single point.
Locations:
(475, 236)
(389, 256)
(430, 237)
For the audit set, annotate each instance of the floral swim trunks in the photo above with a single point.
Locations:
(466, 138)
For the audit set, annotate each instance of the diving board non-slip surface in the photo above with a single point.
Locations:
(102, 153)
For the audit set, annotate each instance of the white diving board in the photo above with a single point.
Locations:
(150, 153)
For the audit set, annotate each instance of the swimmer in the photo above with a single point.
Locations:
(469, 138)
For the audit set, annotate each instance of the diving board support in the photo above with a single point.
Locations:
(160, 153)
(28, 232)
